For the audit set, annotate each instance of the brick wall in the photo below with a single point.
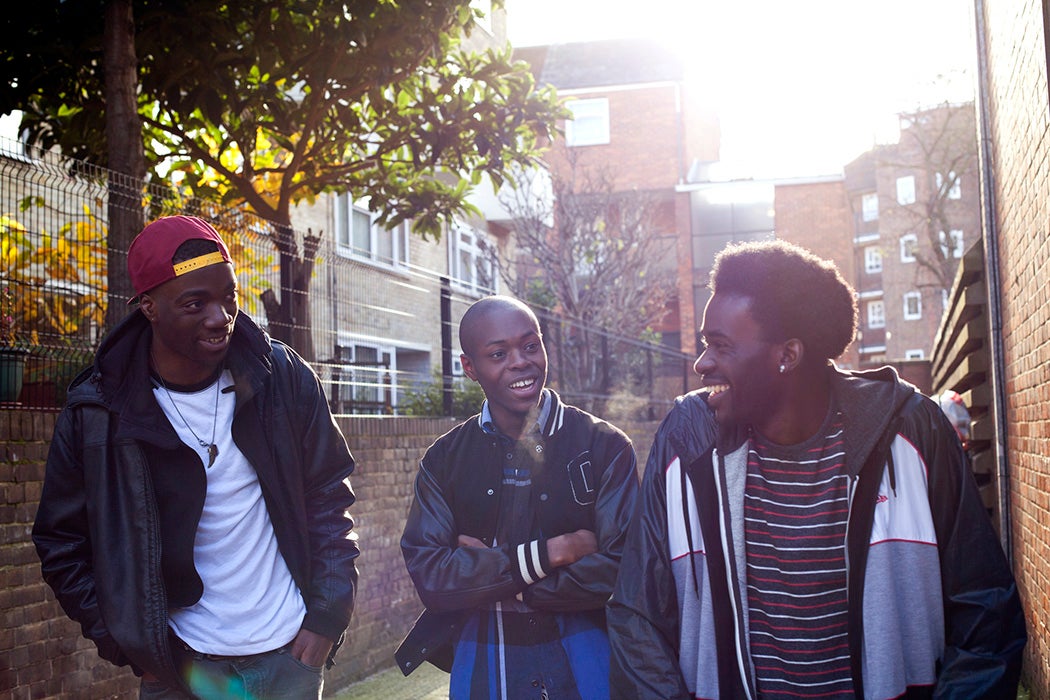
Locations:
(42, 654)
(1020, 136)
(816, 215)
(644, 139)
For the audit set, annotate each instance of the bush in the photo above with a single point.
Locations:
(427, 398)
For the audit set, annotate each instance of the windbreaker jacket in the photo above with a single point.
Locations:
(122, 495)
(933, 607)
(587, 479)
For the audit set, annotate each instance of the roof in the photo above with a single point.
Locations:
(590, 64)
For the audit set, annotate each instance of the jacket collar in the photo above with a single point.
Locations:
(549, 420)
(869, 400)
(120, 380)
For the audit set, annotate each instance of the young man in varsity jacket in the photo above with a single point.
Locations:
(514, 537)
(804, 531)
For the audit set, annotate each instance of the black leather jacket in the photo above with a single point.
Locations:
(586, 478)
(112, 548)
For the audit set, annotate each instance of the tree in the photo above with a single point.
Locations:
(54, 57)
(938, 144)
(270, 103)
(596, 256)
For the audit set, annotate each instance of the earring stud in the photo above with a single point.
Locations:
(782, 368)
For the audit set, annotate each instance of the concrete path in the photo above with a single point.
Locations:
(425, 683)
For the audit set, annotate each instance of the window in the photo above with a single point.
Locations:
(471, 261)
(909, 244)
(912, 306)
(955, 190)
(876, 314)
(872, 260)
(364, 381)
(951, 244)
(589, 125)
(916, 354)
(358, 236)
(906, 190)
(869, 207)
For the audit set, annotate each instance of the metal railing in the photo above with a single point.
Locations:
(378, 329)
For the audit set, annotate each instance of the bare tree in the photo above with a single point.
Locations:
(596, 256)
(939, 144)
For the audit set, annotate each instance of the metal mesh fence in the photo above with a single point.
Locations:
(382, 325)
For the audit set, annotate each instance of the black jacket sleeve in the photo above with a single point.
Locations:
(62, 538)
(328, 496)
(447, 576)
(643, 614)
(984, 623)
(588, 583)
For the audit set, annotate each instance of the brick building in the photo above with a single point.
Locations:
(915, 208)
(815, 214)
(635, 116)
(720, 213)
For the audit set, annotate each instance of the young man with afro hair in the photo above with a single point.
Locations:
(804, 531)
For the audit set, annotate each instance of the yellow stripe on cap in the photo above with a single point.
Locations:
(198, 262)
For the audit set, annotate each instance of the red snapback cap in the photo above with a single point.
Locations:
(149, 258)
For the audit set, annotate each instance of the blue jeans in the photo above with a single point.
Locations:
(272, 675)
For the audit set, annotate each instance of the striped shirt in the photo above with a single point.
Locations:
(795, 507)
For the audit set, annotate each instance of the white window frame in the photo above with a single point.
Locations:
(589, 125)
(915, 354)
(367, 384)
(876, 312)
(955, 191)
(908, 251)
(906, 190)
(468, 257)
(956, 237)
(395, 239)
(872, 259)
(912, 314)
(869, 207)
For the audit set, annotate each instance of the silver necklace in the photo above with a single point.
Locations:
(212, 448)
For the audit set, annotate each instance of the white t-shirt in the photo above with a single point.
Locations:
(250, 602)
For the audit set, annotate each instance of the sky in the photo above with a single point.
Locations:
(802, 87)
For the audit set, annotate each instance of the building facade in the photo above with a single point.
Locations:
(915, 207)
(382, 290)
(636, 119)
(815, 213)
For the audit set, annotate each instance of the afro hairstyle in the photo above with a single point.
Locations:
(793, 293)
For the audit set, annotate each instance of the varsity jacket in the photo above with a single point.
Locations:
(933, 609)
(586, 478)
(122, 495)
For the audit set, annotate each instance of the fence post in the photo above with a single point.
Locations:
(446, 346)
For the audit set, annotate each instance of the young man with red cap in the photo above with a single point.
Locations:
(194, 516)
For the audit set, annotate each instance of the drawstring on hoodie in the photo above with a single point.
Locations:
(892, 474)
(688, 526)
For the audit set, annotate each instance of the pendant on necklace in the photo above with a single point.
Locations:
(213, 452)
